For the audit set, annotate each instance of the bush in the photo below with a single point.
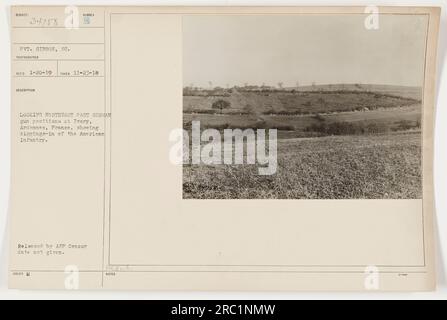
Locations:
(221, 104)
(347, 128)
(407, 125)
(307, 104)
(284, 127)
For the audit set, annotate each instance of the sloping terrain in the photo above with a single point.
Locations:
(295, 102)
(349, 167)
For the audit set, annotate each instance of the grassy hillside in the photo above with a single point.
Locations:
(402, 91)
(320, 99)
(335, 167)
(392, 119)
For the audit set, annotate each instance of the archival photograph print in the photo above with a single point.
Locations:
(303, 106)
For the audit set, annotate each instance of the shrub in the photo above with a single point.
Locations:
(221, 104)
(407, 124)
(347, 128)
(307, 104)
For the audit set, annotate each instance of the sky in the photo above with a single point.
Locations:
(325, 49)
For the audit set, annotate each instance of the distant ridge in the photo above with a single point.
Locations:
(301, 100)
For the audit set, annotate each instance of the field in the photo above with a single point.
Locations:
(336, 151)
(298, 126)
(299, 101)
(336, 167)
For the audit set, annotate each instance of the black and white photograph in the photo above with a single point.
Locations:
(223, 158)
(335, 101)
